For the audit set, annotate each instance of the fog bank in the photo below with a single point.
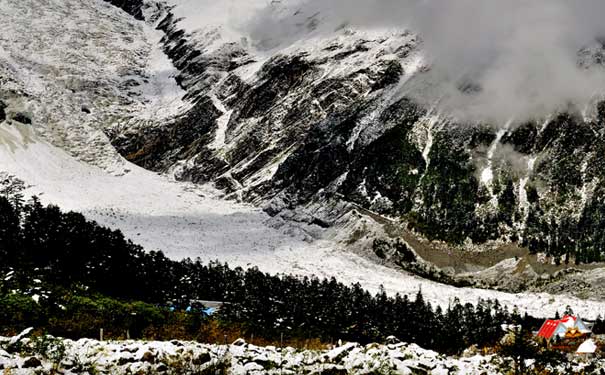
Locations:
(490, 59)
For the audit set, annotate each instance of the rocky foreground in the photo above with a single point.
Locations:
(49, 355)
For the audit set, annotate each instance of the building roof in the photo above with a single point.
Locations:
(213, 304)
(569, 321)
(550, 326)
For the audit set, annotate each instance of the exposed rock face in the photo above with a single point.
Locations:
(162, 147)
(326, 121)
(132, 7)
(2, 111)
(22, 118)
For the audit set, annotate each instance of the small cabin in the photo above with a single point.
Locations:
(566, 326)
(567, 333)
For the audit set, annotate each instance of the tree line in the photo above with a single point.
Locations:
(65, 250)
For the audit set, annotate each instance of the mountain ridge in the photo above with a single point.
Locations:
(395, 141)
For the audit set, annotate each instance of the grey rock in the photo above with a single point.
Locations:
(32, 362)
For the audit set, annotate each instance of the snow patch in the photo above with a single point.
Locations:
(523, 203)
(222, 122)
(487, 175)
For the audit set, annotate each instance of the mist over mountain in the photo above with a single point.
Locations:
(489, 60)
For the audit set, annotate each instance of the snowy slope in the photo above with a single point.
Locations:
(112, 65)
(78, 67)
(187, 221)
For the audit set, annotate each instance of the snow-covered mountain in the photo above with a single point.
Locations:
(297, 151)
(300, 117)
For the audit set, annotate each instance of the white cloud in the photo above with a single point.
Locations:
(523, 54)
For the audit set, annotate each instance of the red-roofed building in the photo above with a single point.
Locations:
(564, 333)
(563, 327)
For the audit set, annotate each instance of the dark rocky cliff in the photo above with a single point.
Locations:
(295, 134)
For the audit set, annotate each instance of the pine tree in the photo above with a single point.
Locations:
(520, 348)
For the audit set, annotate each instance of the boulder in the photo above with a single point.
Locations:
(22, 118)
(148, 357)
(392, 340)
(264, 361)
(161, 368)
(125, 360)
(31, 362)
(417, 370)
(13, 344)
(201, 358)
(252, 367)
(338, 354)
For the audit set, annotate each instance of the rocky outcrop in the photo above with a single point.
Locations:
(2, 111)
(160, 148)
(132, 7)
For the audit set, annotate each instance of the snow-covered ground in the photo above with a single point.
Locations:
(40, 355)
(89, 54)
(112, 357)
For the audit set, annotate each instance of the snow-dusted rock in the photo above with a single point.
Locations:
(25, 333)
(338, 354)
(112, 357)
